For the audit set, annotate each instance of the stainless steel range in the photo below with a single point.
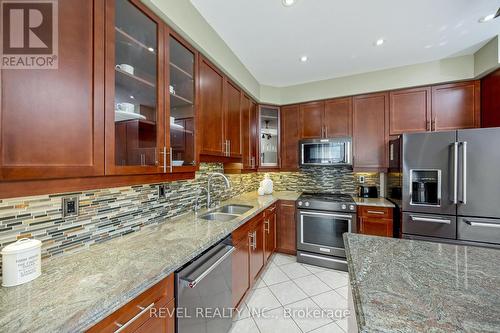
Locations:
(322, 218)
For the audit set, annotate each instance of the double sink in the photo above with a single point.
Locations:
(226, 213)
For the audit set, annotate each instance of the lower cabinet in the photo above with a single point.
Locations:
(375, 221)
(286, 229)
(241, 265)
(255, 242)
(151, 311)
(256, 248)
(270, 218)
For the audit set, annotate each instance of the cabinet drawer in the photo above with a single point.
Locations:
(137, 311)
(372, 211)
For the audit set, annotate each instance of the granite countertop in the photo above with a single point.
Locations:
(378, 202)
(401, 285)
(77, 290)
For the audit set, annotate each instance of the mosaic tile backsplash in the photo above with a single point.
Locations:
(108, 213)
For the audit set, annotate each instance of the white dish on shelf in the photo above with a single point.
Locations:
(123, 115)
(177, 163)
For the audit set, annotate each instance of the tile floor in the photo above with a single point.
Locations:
(286, 291)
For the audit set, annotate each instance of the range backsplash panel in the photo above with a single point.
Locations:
(108, 213)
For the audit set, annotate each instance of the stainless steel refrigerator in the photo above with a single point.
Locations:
(451, 186)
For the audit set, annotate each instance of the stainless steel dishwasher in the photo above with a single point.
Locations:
(204, 291)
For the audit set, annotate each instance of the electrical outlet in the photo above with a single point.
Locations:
(361, 179)
(161, 191)
(70, 206)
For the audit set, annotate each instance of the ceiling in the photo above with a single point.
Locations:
(338, 37)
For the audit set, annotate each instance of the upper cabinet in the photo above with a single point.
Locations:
(338, 117)
(248, 133)
(220, 114)
(312, 115)
(456, 106)
(269, 136)
(182, 98)
(326, 119)
(52, 120)
(371, 131)
(232, 118)
(290, 134)
(410, 110)
(135, 115)
(211, 83)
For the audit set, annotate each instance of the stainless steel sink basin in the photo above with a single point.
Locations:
(234, 209)
(217, 216)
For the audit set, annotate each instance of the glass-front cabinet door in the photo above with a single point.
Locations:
(181, 92)
(134, 90)
(269, 136)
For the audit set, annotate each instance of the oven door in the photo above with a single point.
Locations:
(321, 232)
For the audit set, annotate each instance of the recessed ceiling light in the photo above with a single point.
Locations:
(150, 49)
(379, 42)
(487, 18)
(303, 58)
(288, 3)
(132, 97)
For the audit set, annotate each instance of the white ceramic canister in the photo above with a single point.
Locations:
(21, 262)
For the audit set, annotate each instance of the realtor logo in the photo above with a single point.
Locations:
(29, 34)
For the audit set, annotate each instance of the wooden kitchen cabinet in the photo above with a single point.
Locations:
(375, 221)
(311, 119)
(241, 265)
(270, 219)
(456, 106)
(211, 87)
(256, 236)
(410, 110)
(134, 89)
(181, 92)
(286, 230)
(232, 118)
(248, 133)
(52, 121)
(290, 134)
(338, 117)
(326, 119)
(371, 132)
(142, 314)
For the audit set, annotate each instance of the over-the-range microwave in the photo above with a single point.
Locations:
(332, 152)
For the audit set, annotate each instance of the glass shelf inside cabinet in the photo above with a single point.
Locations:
(181, 92)
(136, 110)
(268, 136)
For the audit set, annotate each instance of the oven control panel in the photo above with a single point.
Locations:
(330, 206)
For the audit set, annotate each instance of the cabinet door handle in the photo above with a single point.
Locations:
(121, 327)
(266, 224)
(228, 147)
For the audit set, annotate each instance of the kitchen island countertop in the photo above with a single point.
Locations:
(77, 290)
(401, 285)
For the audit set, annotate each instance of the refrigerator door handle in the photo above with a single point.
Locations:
(455, 173)
(464, 173)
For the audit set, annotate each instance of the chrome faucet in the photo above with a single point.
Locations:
(210, 177)
(197, 206)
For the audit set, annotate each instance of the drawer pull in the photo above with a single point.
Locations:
(375, 212)
(426, 219)
(272, 209)
(481, 224)
(121, 327)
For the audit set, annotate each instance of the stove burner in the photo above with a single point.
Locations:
(326, 201)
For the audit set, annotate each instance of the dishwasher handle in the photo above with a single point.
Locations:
(192, 282)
